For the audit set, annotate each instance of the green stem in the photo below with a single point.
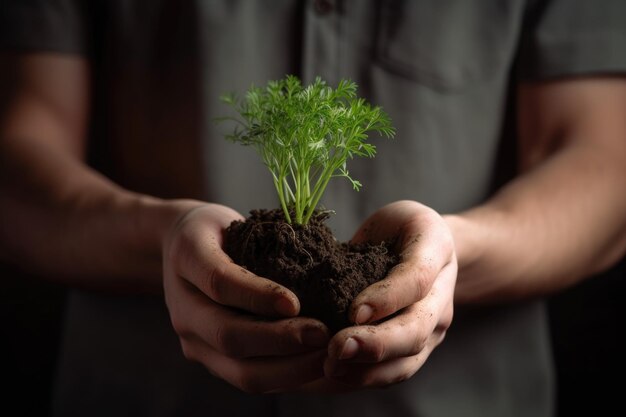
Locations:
(318, 191)
(281, 196)
(298, 183)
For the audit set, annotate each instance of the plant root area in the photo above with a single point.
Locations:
(325, 274)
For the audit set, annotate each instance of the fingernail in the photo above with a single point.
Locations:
(314, 337)
(364, 314)
(284, 306)
(350, 349)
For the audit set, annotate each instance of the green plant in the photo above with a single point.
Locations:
(305, 135)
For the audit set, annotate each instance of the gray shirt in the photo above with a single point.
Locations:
(445, 71)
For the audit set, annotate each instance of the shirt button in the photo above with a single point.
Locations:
(323, 7)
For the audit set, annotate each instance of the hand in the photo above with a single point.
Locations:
(241, 327)
(416, 299)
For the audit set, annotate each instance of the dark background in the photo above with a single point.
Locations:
(587, 324)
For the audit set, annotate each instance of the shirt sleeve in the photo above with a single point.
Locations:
(573, 37)
(44, 25)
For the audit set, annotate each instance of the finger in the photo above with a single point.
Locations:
(240, 335)
(405, 335)
(199, 259)
(422, 258)
(258, 375)
(379, 374)
(384, 356)
(396, 223)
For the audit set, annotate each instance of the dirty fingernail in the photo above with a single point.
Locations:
(314, 337)
(364, 314)
(350, 349)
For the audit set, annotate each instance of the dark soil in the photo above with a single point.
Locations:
(325, 274)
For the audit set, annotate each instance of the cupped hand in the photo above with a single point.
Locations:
(401, 319)
(241, 327)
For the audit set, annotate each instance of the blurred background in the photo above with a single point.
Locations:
(587, 321)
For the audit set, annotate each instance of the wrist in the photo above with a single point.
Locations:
(132, 227)
(478, 239)
(467, 241)
(154, 218)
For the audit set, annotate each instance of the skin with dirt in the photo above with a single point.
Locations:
(326, 275)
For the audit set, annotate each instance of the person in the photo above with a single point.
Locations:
(505, 183)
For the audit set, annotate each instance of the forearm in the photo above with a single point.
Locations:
(559, 223)
(64, 221)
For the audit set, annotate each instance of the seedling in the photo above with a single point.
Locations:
(305, 136)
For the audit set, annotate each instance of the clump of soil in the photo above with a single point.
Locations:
(324, 273)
